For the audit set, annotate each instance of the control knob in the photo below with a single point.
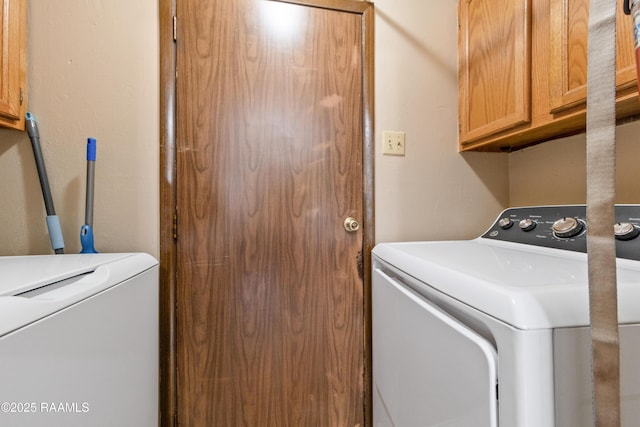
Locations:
(505, 223)
(567, 227)
(625, 231)
(527, 224)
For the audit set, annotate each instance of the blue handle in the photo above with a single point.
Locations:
(91, 149)
(86, 239)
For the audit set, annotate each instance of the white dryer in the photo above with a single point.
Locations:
(495, 331)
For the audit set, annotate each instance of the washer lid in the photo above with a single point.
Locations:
(527, 287)
(20, 274)
(34, 287)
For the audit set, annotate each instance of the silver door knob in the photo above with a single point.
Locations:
(351, 225)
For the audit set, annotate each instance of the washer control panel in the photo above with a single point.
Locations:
(565, 227)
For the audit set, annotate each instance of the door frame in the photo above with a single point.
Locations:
(168, 194)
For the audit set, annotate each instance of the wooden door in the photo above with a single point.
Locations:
(273, 128)
(494, 43)
(569, 30)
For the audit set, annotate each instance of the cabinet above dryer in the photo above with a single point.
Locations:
(522, 71)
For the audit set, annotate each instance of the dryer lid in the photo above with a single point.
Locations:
(525, 286)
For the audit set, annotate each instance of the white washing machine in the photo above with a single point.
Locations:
(79, 340)
(495, 331)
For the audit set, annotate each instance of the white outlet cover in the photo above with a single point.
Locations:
(393, 143)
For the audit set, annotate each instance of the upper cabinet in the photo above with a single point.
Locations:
(12, 63)
(569, 28)
(523, 71)
(494, 77)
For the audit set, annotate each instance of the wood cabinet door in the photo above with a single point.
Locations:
(569, 34)
(272, 119)
(494, 47)
(12, 62)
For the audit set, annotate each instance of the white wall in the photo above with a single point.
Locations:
(93, 71)
(433, 192)
(555, 172)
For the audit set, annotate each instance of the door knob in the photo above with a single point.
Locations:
(351, 225)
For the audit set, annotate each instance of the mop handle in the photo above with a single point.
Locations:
(91, 164)
(86, 233)
(53, 222)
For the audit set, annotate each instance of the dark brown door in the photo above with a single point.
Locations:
(271, 298)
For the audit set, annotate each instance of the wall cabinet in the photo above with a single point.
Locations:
(523, 71)
(12, 63)
(494, 70)
(569, 26)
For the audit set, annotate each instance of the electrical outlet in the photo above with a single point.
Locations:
(393, 143)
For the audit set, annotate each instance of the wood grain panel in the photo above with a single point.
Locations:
(270, 289)
(167, 211)
(495, 77)
(569, 39)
